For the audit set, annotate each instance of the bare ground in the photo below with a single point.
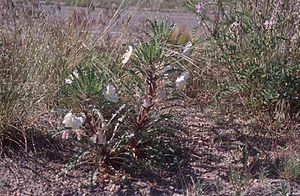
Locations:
(211, 163)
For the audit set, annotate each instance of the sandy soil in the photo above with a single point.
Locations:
(211, 165)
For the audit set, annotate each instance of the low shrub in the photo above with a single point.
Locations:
(117, 111)
(256, 46)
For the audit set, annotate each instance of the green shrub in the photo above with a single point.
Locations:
(258, 44)
(115, 104)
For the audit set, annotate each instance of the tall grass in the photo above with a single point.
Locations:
(39, 48)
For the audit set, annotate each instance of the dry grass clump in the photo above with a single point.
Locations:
(39, 49)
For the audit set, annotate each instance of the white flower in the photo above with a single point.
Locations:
(111, 94)
(127, 55)
(185, 75)
(71, 121)
(146, 102)
(162, 93)
(98, 138)
(68, 81)
(187, 48)
(181, 80)
(75, 73)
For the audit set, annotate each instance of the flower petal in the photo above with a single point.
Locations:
(110, 93)
(71, 121)
(146, 102)
(187, 48)
(68, 81)
(181, 80)
(127, 55)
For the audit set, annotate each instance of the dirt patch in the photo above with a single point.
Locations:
(216, 144)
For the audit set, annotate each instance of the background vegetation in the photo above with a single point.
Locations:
(119, 92)
(155, 4)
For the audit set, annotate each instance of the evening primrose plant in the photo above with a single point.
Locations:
(154, 80)
(93, 117)
(82, 86)
(115, 119)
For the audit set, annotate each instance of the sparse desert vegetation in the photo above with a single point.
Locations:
(90, 106)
